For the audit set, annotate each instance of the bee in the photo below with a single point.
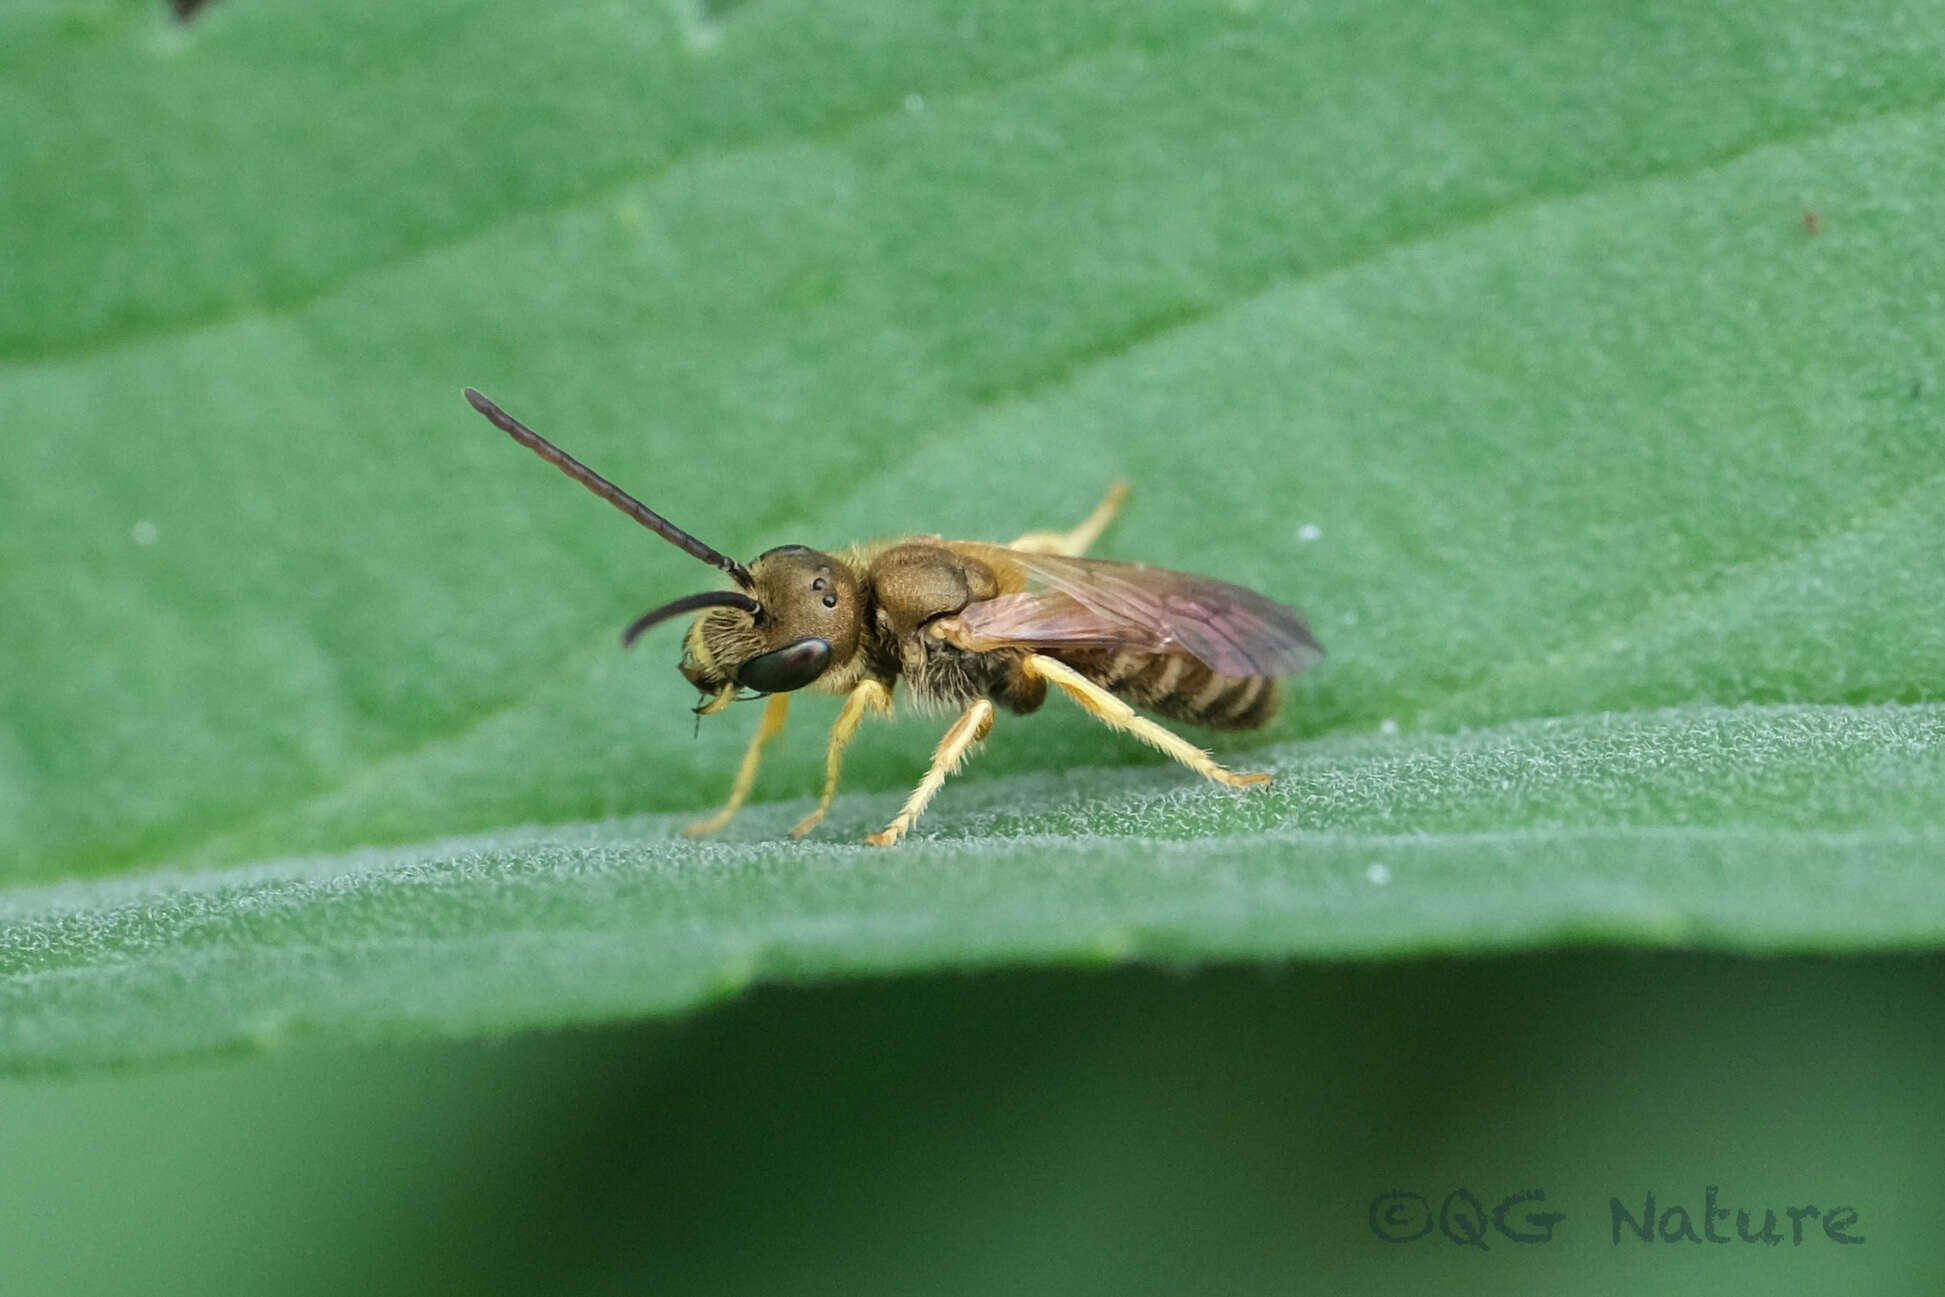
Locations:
(968, 627)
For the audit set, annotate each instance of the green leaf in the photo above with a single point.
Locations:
(1566, 363)
(1768, 829)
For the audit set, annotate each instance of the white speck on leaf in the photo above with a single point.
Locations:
(914, 103)
(144, 533)
(1310, 531)
(1378, 874)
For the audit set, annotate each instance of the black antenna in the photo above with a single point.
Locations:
(689, 603)
(607, 490)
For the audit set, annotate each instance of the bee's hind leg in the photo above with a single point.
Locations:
(972, 726)
(1075, 543)
(1109, 710)
(768, 728)
(866, 696)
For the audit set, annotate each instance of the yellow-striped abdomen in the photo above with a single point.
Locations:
(1180, 687)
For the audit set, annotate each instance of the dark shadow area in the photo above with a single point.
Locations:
(1116, 1132)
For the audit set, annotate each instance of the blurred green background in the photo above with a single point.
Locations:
(1575, 365)
(1129, 1132)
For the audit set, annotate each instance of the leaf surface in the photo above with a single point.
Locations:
(1577, 369)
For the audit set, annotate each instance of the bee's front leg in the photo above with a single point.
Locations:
(972, 726)
(768, 728)
(865, 696)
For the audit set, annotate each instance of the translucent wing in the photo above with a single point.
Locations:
(1085, 602)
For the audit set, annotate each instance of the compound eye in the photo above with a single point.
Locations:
(793, 666)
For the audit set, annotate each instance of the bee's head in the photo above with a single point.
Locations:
(800, 617)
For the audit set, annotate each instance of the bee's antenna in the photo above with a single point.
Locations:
(608, 491)
(689, 603)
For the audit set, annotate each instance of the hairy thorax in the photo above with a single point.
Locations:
(915, 585)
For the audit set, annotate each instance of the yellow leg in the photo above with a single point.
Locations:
(768, 728)
(1076, 542)
(868, 696)
(972, 726)
(1109, 710)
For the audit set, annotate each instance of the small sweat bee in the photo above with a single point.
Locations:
(967, 626)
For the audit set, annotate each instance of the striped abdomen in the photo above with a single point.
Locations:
(1180, 687)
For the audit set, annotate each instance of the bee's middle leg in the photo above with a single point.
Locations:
(768, 728)
(1075, 543)
(1109, 710)
(972, 726)
(866, 696)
